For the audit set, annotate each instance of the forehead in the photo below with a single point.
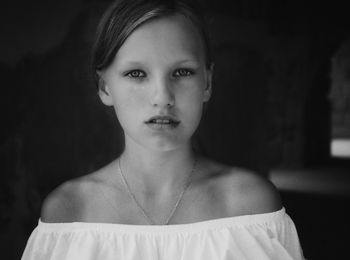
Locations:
(168, 39)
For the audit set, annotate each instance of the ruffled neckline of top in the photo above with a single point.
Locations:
(212, 224)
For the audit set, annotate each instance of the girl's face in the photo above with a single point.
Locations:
(158, 82)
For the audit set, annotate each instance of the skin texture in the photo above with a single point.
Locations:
(160, 70)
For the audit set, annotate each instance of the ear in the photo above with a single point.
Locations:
(103, 91)
(208, 88)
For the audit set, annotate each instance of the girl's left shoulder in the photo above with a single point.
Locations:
(244, 191)
(256, 193)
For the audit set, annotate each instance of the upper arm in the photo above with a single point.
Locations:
(59, 206)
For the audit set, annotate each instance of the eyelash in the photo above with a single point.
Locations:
(188, 72)
(141, 74)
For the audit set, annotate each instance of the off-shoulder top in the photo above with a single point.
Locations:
(254, 237)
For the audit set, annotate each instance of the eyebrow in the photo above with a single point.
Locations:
(139, 63)
(133, 63)
(188, 60)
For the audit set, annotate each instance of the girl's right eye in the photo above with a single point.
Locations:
(136, 74)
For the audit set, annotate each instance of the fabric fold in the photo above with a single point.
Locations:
(270, 236)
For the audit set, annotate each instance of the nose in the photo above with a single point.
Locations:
(162, 95)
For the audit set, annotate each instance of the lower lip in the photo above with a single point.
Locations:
(162, 127)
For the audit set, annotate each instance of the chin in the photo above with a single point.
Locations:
(161, 142)
(164, 146)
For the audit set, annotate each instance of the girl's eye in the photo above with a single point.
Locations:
(136, 74)
(183, 73)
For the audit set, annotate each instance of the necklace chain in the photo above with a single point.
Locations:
(149, 220)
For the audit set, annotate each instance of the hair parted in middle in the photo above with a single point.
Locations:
(122, 17)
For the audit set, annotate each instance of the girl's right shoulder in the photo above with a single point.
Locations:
(66, 202)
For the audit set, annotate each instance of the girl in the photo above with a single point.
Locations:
(159, 199)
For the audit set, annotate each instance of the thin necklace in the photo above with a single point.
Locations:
(149, 220)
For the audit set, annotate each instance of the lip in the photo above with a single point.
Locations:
(163, 120)
(162, 123)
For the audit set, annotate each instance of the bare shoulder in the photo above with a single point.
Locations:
(72, 200)
(248, 192)
(57, 205)
(242, 191)
(66, 203)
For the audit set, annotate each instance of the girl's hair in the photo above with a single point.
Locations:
(122, 17)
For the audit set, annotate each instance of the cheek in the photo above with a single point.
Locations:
(128, 102)
(191, 102)
(194, 92)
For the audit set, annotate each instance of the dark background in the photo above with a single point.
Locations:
(271, 111)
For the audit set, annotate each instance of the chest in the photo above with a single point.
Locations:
(200, 202)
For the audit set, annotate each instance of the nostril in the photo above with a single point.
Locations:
(162, 94)
(169, 104)
(163, 100)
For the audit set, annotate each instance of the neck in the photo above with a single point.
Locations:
(157, 171)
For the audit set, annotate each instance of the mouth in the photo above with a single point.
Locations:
(163, 120)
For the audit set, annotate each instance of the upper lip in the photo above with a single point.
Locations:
(163, 117)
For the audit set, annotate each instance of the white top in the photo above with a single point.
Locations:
(259, 237)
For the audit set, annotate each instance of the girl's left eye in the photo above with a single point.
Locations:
(183, 73)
